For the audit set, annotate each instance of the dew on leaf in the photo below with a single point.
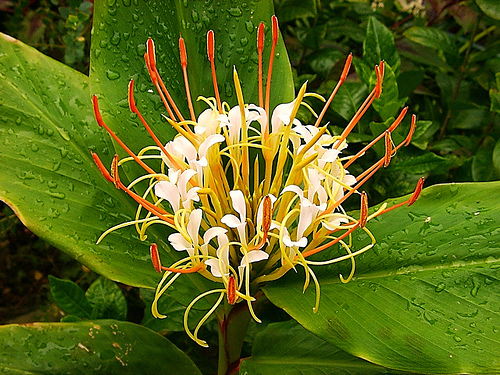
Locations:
(440, 287)
(112, 75)
(235, 12)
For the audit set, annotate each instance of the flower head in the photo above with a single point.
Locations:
(249, 194)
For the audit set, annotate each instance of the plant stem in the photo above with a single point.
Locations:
(232, 330)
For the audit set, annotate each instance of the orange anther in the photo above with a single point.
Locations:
(231, 290)
(274, 21)
(347, 66)
(150, 50)
(388, 149)
(210, 45)
(416, 193)
(101, 167)
(131, 101)
(260, 50)
(398, 120)
(155, 257)
(412, 130)
(114, 171)
(363, 215)
(97, 113)
(182, 49)
(260, 38)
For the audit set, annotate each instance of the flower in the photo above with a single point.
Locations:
(248, 199)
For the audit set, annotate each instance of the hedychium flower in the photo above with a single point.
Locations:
(249, 194)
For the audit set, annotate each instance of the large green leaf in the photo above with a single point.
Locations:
(426, 298)
(121, 30)
(287, 348)
(48, 176)
(101, 346)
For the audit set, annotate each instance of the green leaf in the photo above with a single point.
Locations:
(490, 7)
(48, 176)
(426, 297)
(117, 55)
(348, 99)
(322, 61)
(496, 156)
(379, 45)
(70, 297)
(431, 37)
(172, 309)
(495, 101)
(107, 300)
(421, 164)
(287, 348)
(101, 346)
(482, 162)
(289, 10)
(424, 131)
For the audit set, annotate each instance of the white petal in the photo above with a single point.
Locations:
(213, 232)
(230, 220)
(178, 242)
(170, 192)
(209, 142)
(349, 179)
(254, 256)
(295, 189)
(239, 203)
(193, 226)
(214, 267)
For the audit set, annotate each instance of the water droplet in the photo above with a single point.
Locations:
(249, 26)
(244, 41)
(475, 288)
(34, 147)
(115, 39)
(56, 195)
(235, 12)
(194, 16)
(440, 287)
(457, 338)
(112, 75)
(127, 3)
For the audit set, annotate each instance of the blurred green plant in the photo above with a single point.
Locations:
(443, 65)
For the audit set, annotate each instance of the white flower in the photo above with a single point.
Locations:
(180, 243)
(231, 220)
(176, 193)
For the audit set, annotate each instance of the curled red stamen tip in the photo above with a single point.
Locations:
(155, 257)
(274, 20)
(260, 37)
(101, 167)
(416, 193)
(131, 101)
(182, 48)
(363, 215)
(210, 45)
(231, 290)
